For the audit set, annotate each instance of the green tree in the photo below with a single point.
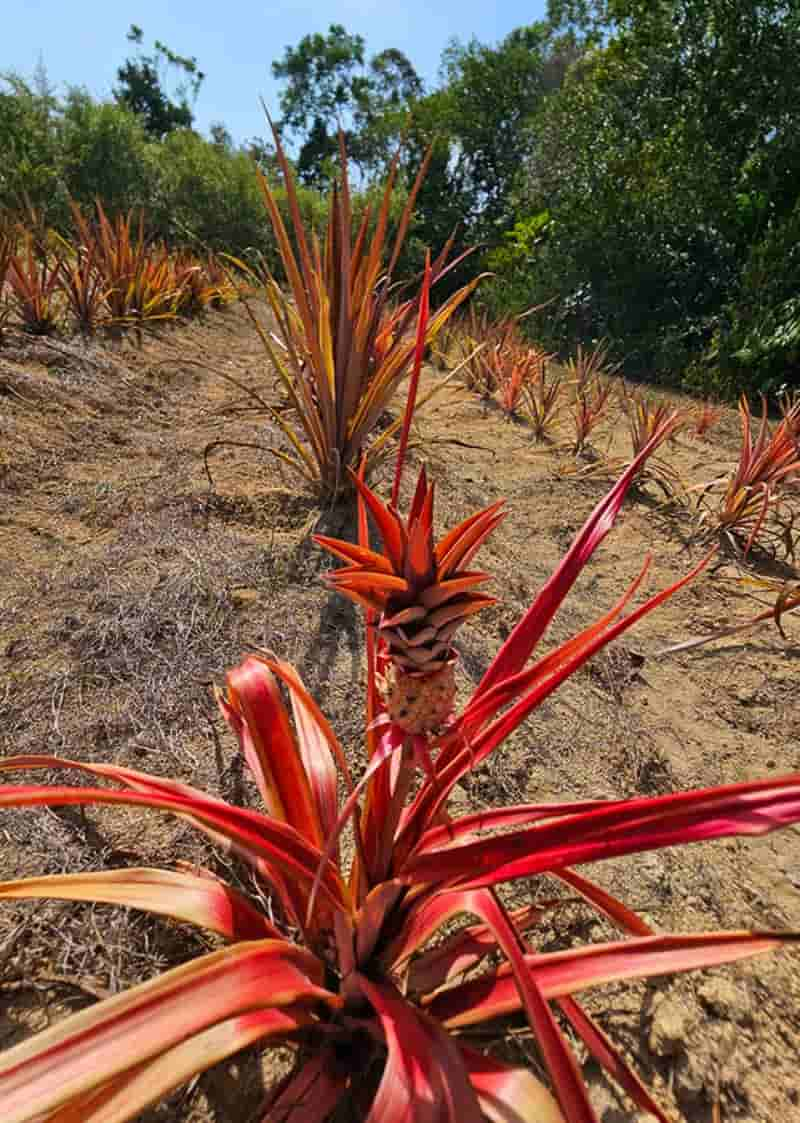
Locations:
(29, 141)
(331, 85)
(669, 154)
(106, 153)
(142, 82)
(489, 97)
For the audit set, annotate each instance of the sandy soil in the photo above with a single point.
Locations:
(129, 585)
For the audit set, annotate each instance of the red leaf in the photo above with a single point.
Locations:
(515, 652)
(623, 828)
(87, 1049)
(617, 912)
(256, 836)
(411, 399)
(567, 972)
(609, 1057)
(142, 1085)
(466, 948)
(309, 1095)
(319, 746)
(461, 753)
(509, 1095)
(424, 1080)
(269, 745)
(521, 815)
(561, 1064)
(201, 900)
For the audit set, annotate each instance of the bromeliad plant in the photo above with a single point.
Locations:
(83, 288)
(644, 417)
(787, 601)
(345, 342)
(34, 279)
(750, 504)
(704, 418)
(543, 401)
(587, 367)
(589, 409)
(344, 967)
(518, 368)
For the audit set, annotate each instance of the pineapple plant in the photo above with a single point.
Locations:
(420, 593)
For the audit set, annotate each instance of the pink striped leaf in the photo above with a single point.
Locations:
(139, 781)
(100, 1043)
(509, 1094)
(547, 675)
(424, 1079)
(390, 743)
(517, 649)
(258, 836)
(203, 900)
(612, 908)
(422, 920)
(310, 1095)
(523, 814)
(320, 750)
(484, 704)
(270, 748)
(623, 828)
(569, 1088)
(459, 758)
(567, 972)
(609, 1057)
(124, 1096)
(464, 950)
(372, 915)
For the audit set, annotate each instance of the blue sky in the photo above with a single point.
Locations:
(235, 41)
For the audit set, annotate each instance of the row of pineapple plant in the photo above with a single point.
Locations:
(109, 275)
(565, 405)
(529, 384)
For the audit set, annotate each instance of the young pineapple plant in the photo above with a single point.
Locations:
(543, 399)
(705, 418)
(421, 593)
(7, 244)
(518, 367)
(341, 343)
(34, 279)
(587, 367)
(589, 410)
(644, 417)
(756, 501)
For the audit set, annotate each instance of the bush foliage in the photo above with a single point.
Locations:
(635, 168)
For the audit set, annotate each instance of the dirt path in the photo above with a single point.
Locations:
(129, 585)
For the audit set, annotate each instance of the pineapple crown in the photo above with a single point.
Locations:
(421, 591)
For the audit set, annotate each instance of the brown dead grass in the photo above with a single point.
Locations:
(129, 586)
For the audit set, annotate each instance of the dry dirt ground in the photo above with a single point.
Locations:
(129, 585)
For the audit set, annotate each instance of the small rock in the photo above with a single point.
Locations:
(243, 596)
(672, 1023)
(690, 1079)
(725, 1000)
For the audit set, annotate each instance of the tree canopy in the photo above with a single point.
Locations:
(635, 165)
(142, 83)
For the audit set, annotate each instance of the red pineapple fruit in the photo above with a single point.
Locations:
(422, 593)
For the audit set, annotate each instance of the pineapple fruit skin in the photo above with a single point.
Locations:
(420, 703)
